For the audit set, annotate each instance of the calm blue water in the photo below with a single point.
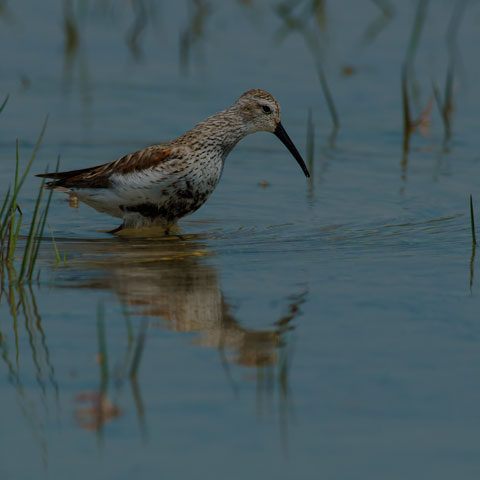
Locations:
(296, 329)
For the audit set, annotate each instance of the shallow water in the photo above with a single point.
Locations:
(292, 328)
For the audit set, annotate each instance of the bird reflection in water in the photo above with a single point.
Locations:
(166, 280)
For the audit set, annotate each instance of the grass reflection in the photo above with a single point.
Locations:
(275, 379)
(28, 340)
(98, 408)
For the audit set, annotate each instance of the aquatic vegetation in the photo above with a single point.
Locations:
(446, 105)
(96, 408)
(310, 34)
(333, 309)
(2, 106)
(11, 218)
(472, 222)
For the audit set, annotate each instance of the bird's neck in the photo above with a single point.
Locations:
(220, 132)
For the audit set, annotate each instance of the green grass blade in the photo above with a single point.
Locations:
(27, 169)
(38, 236)
(4, 206)
(15, 237)
(41, 228)
(57, 255)
(28, 247)
(13, 207)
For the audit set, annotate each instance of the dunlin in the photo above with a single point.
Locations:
(162, 183)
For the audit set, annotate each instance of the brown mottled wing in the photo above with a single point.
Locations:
(99, 176)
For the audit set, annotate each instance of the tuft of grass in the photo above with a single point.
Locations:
(28, 259)
(40, 227)
(20, 183)
(11, 218)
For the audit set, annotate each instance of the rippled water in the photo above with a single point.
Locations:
(292, 328)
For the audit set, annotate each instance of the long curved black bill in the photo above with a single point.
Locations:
(283, 136)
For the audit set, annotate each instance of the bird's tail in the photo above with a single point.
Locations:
(61, 178)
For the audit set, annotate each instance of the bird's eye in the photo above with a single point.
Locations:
(266, 109)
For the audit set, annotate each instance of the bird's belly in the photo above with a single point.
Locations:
(169, 209)
(167, 202)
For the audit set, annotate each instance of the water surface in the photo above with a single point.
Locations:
(293, 328)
